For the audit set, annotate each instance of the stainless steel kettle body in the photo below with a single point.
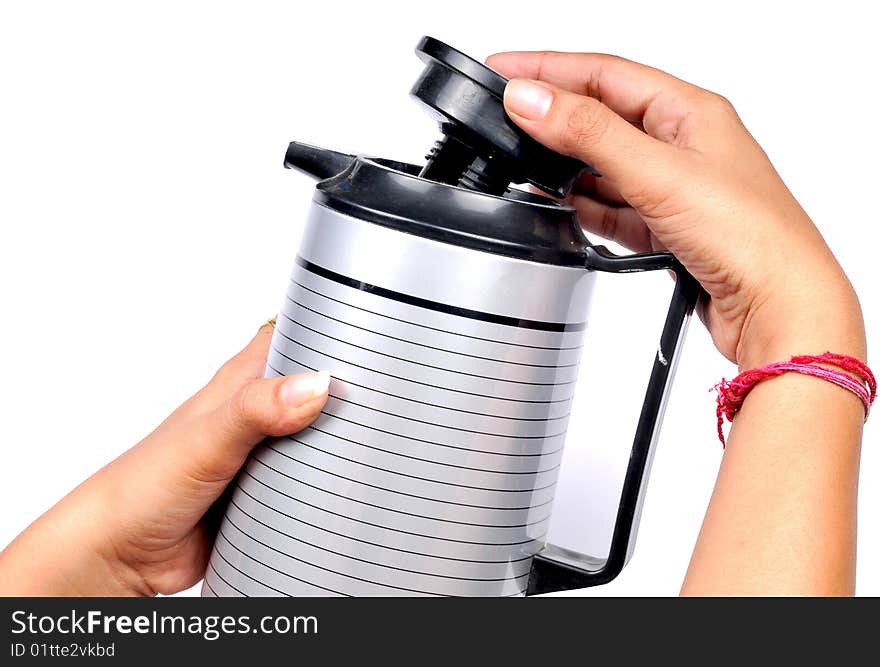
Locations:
(432, 469)
(450, 312)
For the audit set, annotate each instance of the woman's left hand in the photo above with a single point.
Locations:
(138, 526)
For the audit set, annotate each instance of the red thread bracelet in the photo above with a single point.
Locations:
(855, 376)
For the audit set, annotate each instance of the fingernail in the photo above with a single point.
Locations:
(527, 99)
(298, 389)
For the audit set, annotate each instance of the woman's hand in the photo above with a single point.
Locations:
(138, 526)
(681, 172)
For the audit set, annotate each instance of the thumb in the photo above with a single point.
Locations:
(182, 470)
(220, 441)
(640, 167)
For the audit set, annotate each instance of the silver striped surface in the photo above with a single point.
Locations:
(431, 470)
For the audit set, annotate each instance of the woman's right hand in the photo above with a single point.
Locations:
(681, 172)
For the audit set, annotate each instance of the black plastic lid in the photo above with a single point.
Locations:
(482, 149)
(461, 196)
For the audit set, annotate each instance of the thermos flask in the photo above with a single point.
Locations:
(449, 309)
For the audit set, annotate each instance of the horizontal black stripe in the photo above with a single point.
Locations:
(396, 511)
(412, 342)
(356, 558)
(447, 426)
(413, 495)
(419, 363)
(425, 326)
(436, 405)
(439, 463)
(377, 544)
(331, 571)
(438, 444)
(412, 400)
(223, 579)
(319, 567)
(220, 533)
(403, 474)
(378, 525)
(404, 379)
(241, 572)
(208, 583)
(312, 427)
(436, 306)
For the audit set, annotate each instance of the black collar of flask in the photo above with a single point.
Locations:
(392, 194)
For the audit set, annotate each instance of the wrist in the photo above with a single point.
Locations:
(814, 319)
(65, 553)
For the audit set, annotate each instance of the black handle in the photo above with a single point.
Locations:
(557, 569)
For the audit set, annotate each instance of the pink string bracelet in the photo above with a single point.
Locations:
(854, 376)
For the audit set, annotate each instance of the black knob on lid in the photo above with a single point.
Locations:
(482, 149)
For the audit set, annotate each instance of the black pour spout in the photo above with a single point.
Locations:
(481, 148)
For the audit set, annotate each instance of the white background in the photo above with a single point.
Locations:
(148, 228)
